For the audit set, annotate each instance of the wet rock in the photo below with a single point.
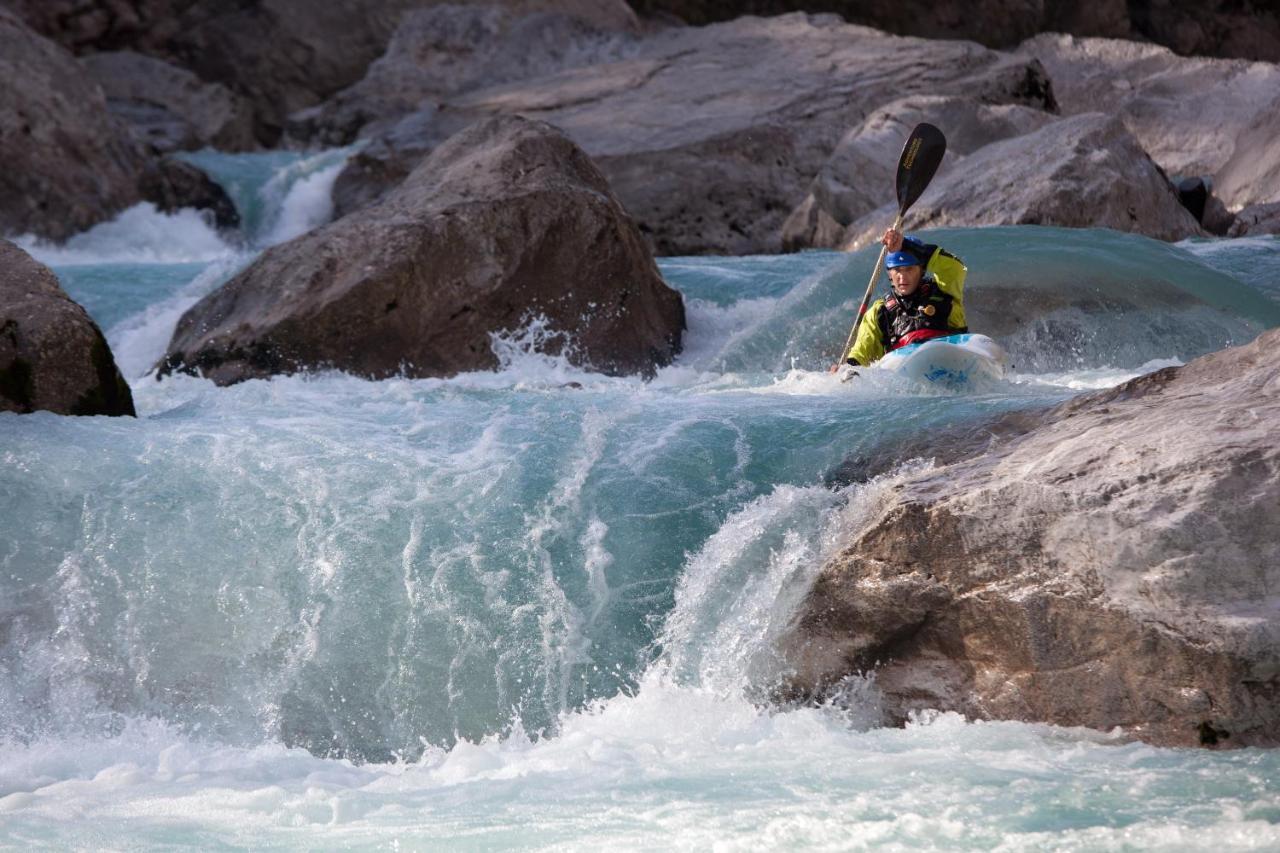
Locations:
(710, 136)
(52, 355)
(1212, 117)
(1084, 171)
(506, 222)
(169, 108)
(860, 174)
(1115, 565)
(68, 164)
(444, 50)
(171, 184)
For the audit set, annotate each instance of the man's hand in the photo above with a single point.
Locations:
(834, 368)
(892, 239)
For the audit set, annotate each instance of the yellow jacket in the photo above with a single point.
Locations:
(948, 273)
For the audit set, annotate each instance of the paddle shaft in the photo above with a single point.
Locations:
(875, 273)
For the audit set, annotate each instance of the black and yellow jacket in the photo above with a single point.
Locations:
(936, 304)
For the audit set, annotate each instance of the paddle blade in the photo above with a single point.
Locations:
(921, 156)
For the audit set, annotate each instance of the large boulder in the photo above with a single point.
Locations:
(68, 164)
(710, 136)
(52, 355)
(1193, 116)
(168, 107)
(860, 174)
(1115, 565)
(506, 222)
(441, 51)
(1084, 171)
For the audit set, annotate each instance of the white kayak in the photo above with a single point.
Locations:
(956, 362)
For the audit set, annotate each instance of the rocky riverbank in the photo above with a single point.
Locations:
(750, 135)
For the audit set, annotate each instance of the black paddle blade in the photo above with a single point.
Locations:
(920, 158)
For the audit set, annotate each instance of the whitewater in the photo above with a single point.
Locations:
(535, 608)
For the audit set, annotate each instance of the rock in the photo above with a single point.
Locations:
(1257, 219)
(710, 136)
(861, 172)
(1084, 171)
(379, 166)
(84, 26)
(1193, 116)
(168, 107)
(67, 163)
(1252, 175)
(1221, 28)
(995, 23)
(171, 184)
(1116, 565)
(52, 355)
(284, 55)
(444, 50)
(506, 221)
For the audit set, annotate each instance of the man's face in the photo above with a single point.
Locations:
(906, 279)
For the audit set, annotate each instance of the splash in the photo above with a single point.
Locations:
(139, 235)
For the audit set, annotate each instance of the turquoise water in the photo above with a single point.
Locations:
(535, 607)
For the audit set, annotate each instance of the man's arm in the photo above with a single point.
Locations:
(868, 347)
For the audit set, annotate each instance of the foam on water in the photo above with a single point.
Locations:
(666, 768)
(139, 235)
(139, 341)
(305, 201)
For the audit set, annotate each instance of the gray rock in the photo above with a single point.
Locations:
(380, 165)
(171, 184)
(52, 355)
(1193, 116)
(284, 55)
(85, 26)
(1224, 28)
(1116, 565)
(68, 164)
(1084, 171)
(169, 107)
(1252, 175)
(1257, 219)
(860, 174)
(444, 50)
(710, 136)
(503, 222)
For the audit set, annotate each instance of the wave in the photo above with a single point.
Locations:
(139, 235)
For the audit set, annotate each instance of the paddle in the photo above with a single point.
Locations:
(921, 156)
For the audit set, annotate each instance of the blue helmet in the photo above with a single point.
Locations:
(901, 259)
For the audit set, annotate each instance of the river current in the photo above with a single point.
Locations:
(535, 607)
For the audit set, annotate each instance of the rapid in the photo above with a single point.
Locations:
(536, 607)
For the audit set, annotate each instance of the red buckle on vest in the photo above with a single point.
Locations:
(921, 335)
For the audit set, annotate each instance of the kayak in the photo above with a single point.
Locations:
(956, 362)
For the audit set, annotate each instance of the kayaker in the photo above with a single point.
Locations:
(926, 302)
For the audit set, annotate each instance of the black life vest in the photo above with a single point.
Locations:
(909, 319)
